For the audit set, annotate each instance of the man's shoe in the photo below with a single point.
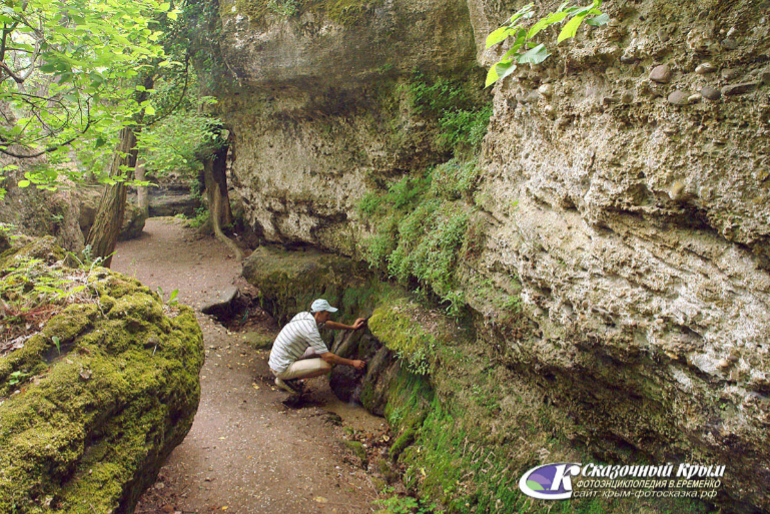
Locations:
(290, 388)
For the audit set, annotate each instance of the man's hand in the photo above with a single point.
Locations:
(334, 359)
(360, 322)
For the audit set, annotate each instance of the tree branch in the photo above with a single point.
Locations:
(6, 31)
(50, 148)
(19, 80)
(181, 97)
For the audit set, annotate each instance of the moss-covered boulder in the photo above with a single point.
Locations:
(289, 281)
(133, 223)
(93, 403)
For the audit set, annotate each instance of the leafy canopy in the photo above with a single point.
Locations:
(70, 75)
(524, 50)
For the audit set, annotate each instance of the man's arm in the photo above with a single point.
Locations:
(360, 322)
(334, 359)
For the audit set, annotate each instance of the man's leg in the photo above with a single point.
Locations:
(306, 368)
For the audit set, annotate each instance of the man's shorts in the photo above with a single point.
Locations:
(302, 368)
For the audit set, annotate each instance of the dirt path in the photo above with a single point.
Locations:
(247, 452)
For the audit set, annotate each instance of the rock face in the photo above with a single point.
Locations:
(173, 198)
(632, 235)
(67, 214)
(85, 424)
(42, 213)
(337, 115)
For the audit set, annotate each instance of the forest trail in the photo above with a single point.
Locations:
(247, 452)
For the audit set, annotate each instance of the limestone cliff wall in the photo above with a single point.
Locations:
(622, 195)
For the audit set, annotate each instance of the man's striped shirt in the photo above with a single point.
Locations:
(300, 333)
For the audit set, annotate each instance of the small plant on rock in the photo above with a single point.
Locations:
(524, 50)
(172, 297)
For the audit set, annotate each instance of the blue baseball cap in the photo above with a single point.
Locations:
(322, 305)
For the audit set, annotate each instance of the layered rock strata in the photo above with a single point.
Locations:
(622, 199)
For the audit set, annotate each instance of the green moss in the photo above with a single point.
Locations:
(259, 340)
(289, 281)
(43, 248)
(468, 432)
(347, 12)
(402, 442)
(73, 321)
(358, 449)
(394, 325)
(409, 400)
(92, 430)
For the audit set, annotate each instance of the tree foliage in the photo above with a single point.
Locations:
(524, 49)
(181, 141)
(71, 76)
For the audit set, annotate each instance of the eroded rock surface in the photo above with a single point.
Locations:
(633, 231)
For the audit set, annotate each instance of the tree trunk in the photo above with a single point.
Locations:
(215, 180)
(142, 193)
(103, 235)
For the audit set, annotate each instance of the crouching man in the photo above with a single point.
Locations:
(299, 352)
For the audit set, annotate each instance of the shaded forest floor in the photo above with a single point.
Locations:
(247, 451)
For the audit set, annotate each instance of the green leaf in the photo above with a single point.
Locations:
(499, 71)
(598, 21)
(524, 12)
(581, 11)
(23, 183)
(571, 28)
(535, 55)
(173, 15)
(149, 110)
(174, 294)
(497, 36)
(492, 76)
(546, 22)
